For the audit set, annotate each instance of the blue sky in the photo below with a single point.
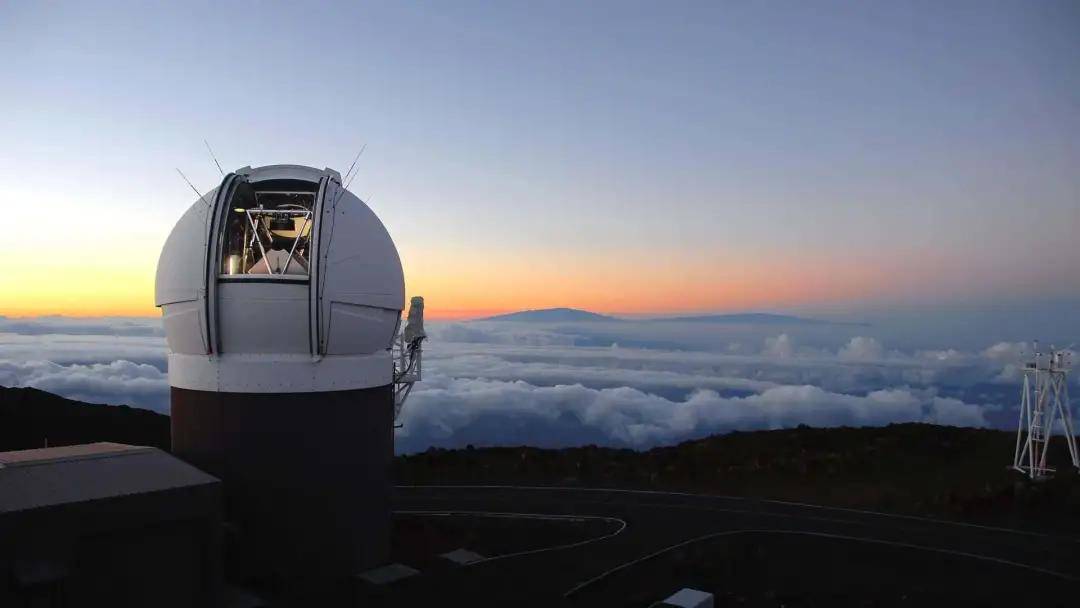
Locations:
(909, 165)
(692, 156)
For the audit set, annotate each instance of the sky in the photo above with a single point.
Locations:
(908, 170)
(639, 158)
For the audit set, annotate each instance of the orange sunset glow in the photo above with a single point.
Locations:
(468, 286)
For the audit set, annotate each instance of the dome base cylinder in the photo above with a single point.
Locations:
(306, 475)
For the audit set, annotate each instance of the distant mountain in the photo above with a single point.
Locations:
(551, 315)
(754, 318)
(571, 315)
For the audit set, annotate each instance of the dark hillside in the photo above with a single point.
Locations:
(30, 417)
(915, 468)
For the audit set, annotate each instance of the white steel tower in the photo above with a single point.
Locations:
(1045, 399)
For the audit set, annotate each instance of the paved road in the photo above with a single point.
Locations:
(759, 552)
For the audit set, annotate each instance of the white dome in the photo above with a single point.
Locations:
(279, 280)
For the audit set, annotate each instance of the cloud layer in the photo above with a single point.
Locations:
(457, 411)
(116, 382)
(556, 385)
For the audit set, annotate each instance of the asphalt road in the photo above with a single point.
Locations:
(646, 545)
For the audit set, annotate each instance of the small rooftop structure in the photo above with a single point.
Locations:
(107, 524)
(688, 598)
(462, 557)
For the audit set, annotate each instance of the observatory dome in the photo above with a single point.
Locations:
(279, 280)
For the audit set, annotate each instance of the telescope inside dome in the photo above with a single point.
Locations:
(268, 230)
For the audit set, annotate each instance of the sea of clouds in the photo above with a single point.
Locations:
(635, 384)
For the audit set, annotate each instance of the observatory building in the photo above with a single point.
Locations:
(281, 294)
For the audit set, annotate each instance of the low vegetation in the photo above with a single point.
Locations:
(915, 468)
(920, 469)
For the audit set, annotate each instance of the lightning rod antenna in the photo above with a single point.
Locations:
(184, 177)
(211, 151)
(347, 179)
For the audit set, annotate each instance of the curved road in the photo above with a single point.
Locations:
(754, 552)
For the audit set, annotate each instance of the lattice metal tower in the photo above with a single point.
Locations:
(1045, 399)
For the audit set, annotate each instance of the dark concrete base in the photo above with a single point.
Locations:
(306, 476)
